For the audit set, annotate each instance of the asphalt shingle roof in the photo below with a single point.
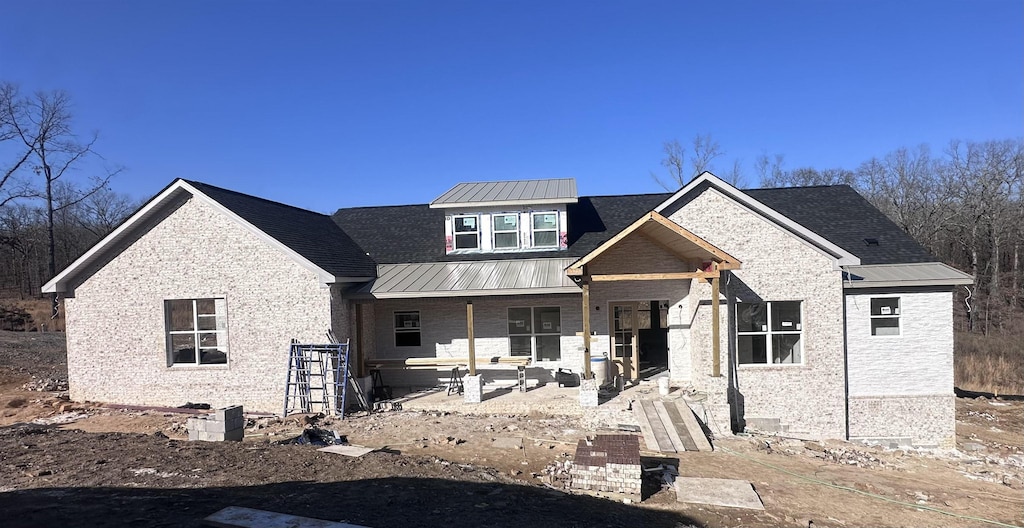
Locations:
(313, 235)
(415, 233)
(844, 217)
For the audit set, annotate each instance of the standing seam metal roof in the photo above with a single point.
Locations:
(535, 191)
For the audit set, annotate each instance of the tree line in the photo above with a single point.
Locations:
(964, 204)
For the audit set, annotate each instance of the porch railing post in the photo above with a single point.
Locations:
(586, 331)
(472, 344)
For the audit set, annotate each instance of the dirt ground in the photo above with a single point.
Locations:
(68, 463)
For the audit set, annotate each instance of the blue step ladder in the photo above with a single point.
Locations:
(318, 378)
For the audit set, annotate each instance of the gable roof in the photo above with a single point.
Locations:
(517, 192)
(415, 233)
(309, 238)
(847, 219)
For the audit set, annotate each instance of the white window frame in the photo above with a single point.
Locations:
(456, 232)
(769, 333)
(534, 230)
(534, 332)
(894, 313)
(220, 331)
(495, 231)
(418, 329)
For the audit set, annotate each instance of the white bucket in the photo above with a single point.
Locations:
(599, 368)
(663, 386)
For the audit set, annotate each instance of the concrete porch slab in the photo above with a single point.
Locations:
(718, 492)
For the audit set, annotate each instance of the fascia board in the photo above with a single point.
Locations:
(502, 203)
(477, 293)
(840, 257)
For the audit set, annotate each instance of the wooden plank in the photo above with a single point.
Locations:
(645, 428)
(678, 426)
(657, 427)
(586, 331)
(673, 435)
(694, 428)
(238, 517)
(680, 275)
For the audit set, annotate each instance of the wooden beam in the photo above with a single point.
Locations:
(586, 330)
(655, 276)
(472, 344)
(716, 346)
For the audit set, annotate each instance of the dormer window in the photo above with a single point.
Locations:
(467, 232)
(506, 231)
(545, 229)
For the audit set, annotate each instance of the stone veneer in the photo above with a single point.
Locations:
(776, 266)
(117, 349)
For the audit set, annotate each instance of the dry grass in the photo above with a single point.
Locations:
(39, 310)
(992, 364)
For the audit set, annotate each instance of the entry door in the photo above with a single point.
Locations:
(624, 349)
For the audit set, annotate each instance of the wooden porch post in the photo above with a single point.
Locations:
(716, 366)
(472, 344)
(586, 330)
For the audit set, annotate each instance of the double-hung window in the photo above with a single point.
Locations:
(407, 329)
(545, 229)
(769, 332)
(197, 331)
(535, 332)
(467, 232)
(506, 231)
(885, 316)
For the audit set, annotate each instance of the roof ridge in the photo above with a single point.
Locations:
(194, 183)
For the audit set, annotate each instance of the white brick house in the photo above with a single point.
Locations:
(832, 321)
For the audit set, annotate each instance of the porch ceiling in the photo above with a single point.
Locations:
(670, 236)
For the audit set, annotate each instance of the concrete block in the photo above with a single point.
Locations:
(474, 388)
(588, 393)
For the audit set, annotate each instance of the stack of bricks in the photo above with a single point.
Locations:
(224, 424)
(609, 463)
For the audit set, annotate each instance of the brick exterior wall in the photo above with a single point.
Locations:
(808, 398)
(443, 334)
(116, 337)
(901, 387)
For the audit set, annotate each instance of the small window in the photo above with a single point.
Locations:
(197, 331)
(467, 232)
(407, 329)
(535, 332)
(506, 231)
(545, 229)
(885, 316)
(769, 332)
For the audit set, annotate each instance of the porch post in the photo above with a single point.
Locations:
(716, 366)
(586, 331)
(472, 344)
(359, 356)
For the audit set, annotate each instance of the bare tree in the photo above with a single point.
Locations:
(770, 170)
(682, 168)
(11, 109)
(42, 122)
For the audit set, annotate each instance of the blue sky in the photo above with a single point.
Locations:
(335, 104)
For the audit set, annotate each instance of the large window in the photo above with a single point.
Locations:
(769, 332)
(197, 331)
(535, 332)
(545, 229)
(506, 231)
(885, 316)
(467, 232)
(407, 329)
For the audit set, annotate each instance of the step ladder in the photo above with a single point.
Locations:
(318, 377)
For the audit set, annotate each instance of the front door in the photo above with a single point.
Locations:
(624, 349)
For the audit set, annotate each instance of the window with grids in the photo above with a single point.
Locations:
(885, 316)
(467, 232)
(506, 231)
(535, 332)
(197, 331)
(545, 229)
(407, 329)
(769, 332)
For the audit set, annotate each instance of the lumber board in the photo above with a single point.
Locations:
(660, 434)
(673, 435)
(693, 427)
(678, 426)
(645, 428)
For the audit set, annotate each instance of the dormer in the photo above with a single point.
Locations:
(506, 216)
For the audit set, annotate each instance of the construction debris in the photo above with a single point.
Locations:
(718, 492)
(238, 517)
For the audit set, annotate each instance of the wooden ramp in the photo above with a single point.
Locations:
(669, 427)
